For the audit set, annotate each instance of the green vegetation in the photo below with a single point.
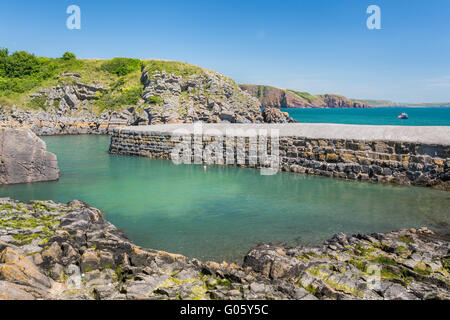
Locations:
(22, 75)
(223, 282)
(261, 90)
(21, 72)
(156, 100)
(406, 239)
(38, 103)
(122, 66)
(361, 250)
(175, 67)
(384, 260)
(68, 56)
(446, 264)
(117, 98)
(361, 265)
(304, 95)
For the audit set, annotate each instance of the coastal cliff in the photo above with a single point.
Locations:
(69, 251)
(24, 158)
(191, 94)
(282, 98)
(73, 96)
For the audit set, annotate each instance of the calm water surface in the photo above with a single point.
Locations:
(374, 116)
(224, 212)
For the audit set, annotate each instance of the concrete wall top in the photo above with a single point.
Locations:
(422, 134)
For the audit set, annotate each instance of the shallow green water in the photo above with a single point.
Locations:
(224, 212)
(374, 116)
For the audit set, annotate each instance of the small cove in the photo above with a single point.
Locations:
(222, 213)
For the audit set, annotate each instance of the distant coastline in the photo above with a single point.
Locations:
(392, 104)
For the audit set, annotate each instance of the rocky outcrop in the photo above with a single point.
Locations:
(208, 97)
(69, 251)
(274, 115)
(24, 158)
(408, 264)
(281, 98)
(65, 109)
(69, 108)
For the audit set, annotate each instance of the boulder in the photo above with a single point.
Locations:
(11, 291)
(24, 158)
(18, 269)
(274, 115)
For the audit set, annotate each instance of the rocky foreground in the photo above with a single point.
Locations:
(69, 251)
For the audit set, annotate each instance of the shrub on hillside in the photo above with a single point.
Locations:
(17, 65)
(69, 56)
(115, 99)
(122, 66)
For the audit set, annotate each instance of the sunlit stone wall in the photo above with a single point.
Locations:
(396, 162)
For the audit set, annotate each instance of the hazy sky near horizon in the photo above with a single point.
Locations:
(319, 46)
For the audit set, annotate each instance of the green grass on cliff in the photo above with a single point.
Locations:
(22, 74)
(304, 95)
(175, 67)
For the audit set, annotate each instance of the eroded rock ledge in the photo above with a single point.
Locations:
(69, 251)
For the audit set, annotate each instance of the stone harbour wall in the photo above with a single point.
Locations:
(398, 161)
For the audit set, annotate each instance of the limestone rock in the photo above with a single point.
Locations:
(18, 269)
(274, 115)
(11, 291)
(208, 97)
(24, 158)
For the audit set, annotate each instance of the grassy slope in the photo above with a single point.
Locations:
(17, 90)
(119, 76)
(304, 95)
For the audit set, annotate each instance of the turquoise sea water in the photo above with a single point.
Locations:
(221, 213)
(374, 116)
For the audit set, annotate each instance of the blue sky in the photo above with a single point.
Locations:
(309, 45)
